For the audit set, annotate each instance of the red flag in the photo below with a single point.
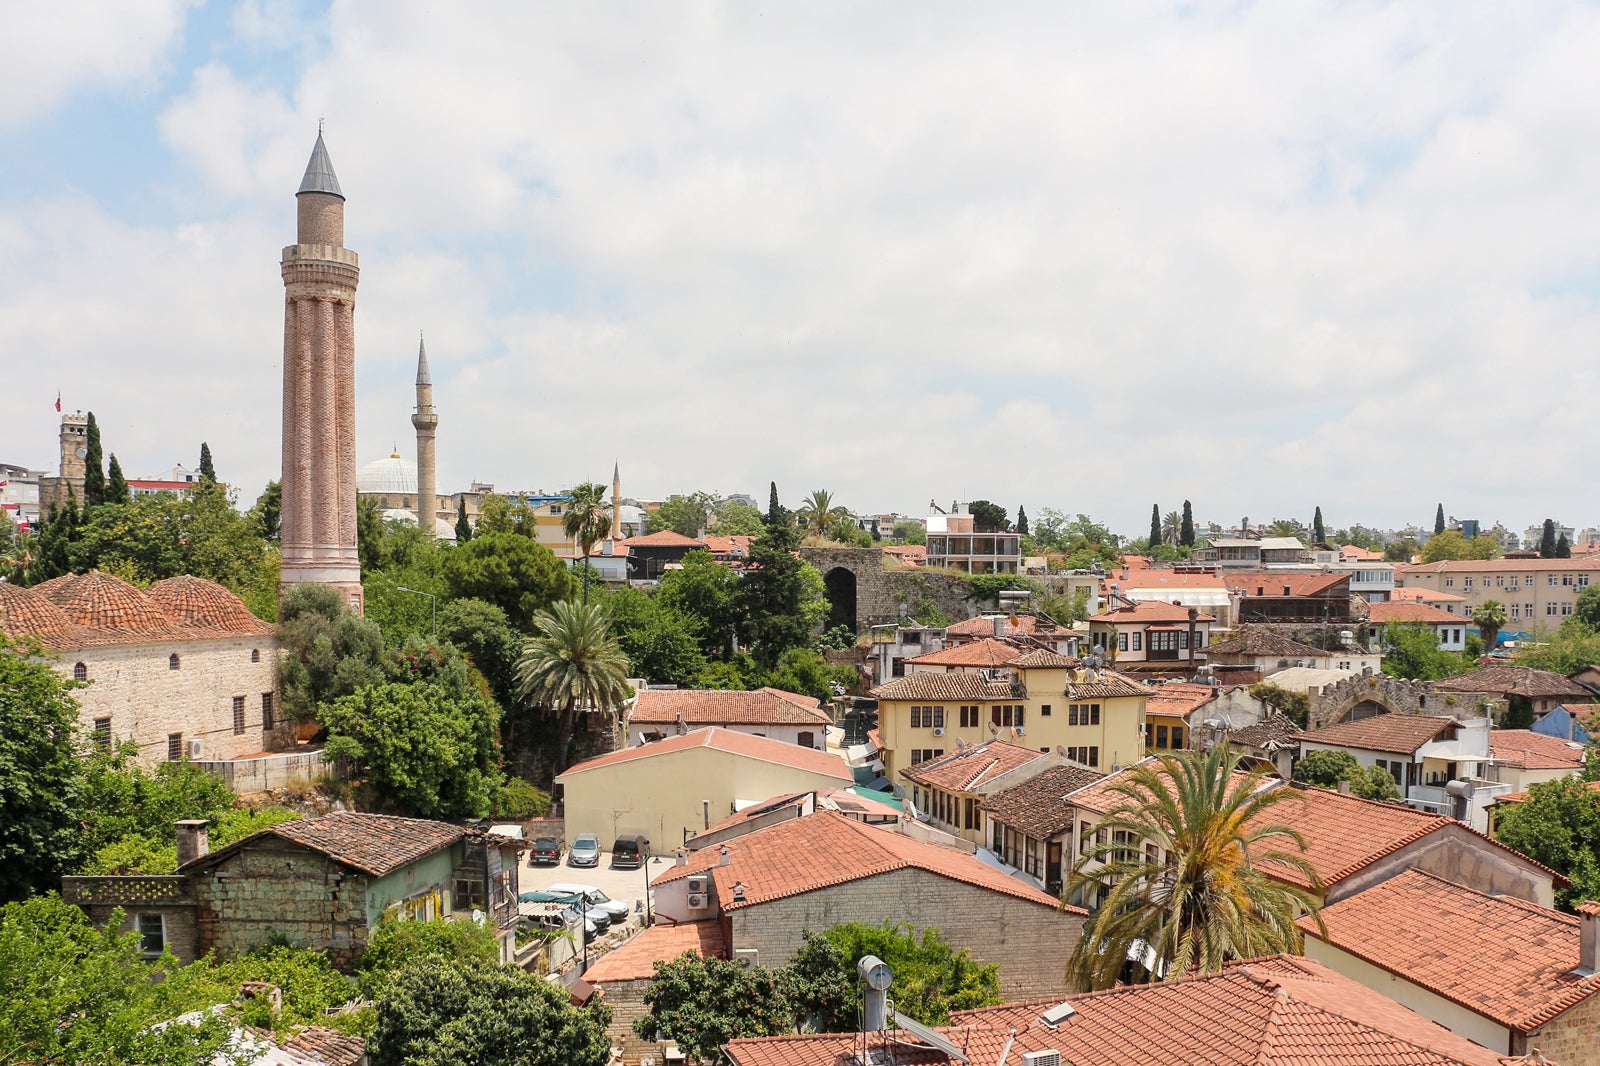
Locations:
(58, 403)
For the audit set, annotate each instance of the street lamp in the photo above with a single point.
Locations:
(434, 605)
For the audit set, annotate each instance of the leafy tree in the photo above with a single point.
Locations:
(735, 518)
(1296, 705)
(931, 978)
(266, 515)
(1412, 650)
(463, 527)
(518, 800)
(1568, 649)
(436, 1012)
(1490, 617)
(116, 483)
(155, 851)
(1325, 769)
(1563, 549)
(208, 471)
(510, 571)
(1452, 545)
(1022, 521)
(587, 521)
(1587, 609)
(910, 531)
(1155, 524)
(1186, 533)
(662, 643)
(306, 977)
(819, 512)
(1438, 520)
(39, 790)
(481, 632)
(163, 535)
(1318, 534)
(396, 942)
(94, 474)
(704, 1003)
(369, 534)
(1547, 540)
(1402, 550)
(819, 986)
(988, 517)
(329, 651)
(688, 515)
(846, 532)
(1558, 825)
(122, 799)
(804, 671)
(572, 665)
(1214, 902)
(773, 597)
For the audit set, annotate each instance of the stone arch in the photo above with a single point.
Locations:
(1374, 694)
(840, 586)
(1366, 709)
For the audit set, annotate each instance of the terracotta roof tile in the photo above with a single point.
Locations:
(324, 1045)
(1416, 595)
(635, 960)
(1254, 640)
(1534, 751)
(1503, 958)
(104, 604)
(1514, 681)
(1015, 625)
(764, 706)
(1181, 698)
(664, 538)
(1041, 659)
(804, 854)
(1472, 566)
(966, 769)
(1383, 614)
(1035, 807)
(30, 613)
(1276, 727)
(1401, 733)
(760, 748)
(926, 685)
(198, 604)
(1149, 611)
(374, 844)
(1104, 685)
(96, 609)
(1273, 582)
(987, 652)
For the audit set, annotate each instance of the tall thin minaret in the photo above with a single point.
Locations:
(616, 501)
(426, 421)
(319, 390)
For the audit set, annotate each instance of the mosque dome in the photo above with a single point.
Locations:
(393, 475)
(196, 603)
(98, 601)
(30, 613)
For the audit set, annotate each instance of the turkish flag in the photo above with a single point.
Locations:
(58, 403)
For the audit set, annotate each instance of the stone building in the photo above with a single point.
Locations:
(182, 668)
(54, 491)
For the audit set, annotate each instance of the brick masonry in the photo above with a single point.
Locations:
(1571, 1039)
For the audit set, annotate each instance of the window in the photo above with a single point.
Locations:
(1516, 612)
(938, 717)
(1045, 711)
(1138, 636)
(969, 717)
(1088, 756)
(1122, 642)
(238, 715)
(1177, 736)
(1566, 579)
(102, 734)
(916, 717)
(152, 934)
(80, 672)
(255, 655)
(172, 661)
(174, 747)
(1161, 736)
(1513, 585)
(1566, 608)
(1551, 580)
(1449, 582)
(1466, 583)
(1549, 608)
(266, 711)
(468, 894)
(1583, 581)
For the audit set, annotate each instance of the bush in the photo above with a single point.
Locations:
(519, 800)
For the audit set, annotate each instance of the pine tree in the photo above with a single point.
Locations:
(463, 527)
(1563, 549)
(1022, 520)
(208, 472)
(116, 484)
(1318, 534)
(94, 474)
(1438, 521)
(1186, 536)
(1547, 542)
(776, 515)
(1155, 525)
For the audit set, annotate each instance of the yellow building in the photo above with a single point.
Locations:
(1039, 700)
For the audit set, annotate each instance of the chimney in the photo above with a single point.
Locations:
(1344, 788)
(193, 839)
(999, 626)
(1589, 938)
(725, 853)
(680, 857)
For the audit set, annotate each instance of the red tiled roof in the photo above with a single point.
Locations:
(1149, 611)
(27, 613)
(805, 854)
(1103, 685)
(735, 545)
(1255, 640)
(664, 538)
(764, 706)
(1179, 699)
(1273, 582)
(374, 844)
(1146, 580)
(198, 604)
(1534, 751)
(1276, 726)
(1402, 612)
(987, 652)
(755, 810)
(1514, 681)
(927, 685)
(100, 602)
(635, 960)
(1035, 806)
(1352, 553)
(1015, 625)
(1043, 659)
(965, 769)
(1500, 957)
(726, 740)
(322, 1045)
(1400, 733)
(1417, 595)
(96, 609)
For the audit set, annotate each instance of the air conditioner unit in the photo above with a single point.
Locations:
(1051, 1057)
(1021, 732)
(700, 884)
(938, 731)
(747, 958)
(698, 901)
(195, 748)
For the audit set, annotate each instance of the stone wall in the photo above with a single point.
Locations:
(277, 889)
(172, 897)
(1571, 1038)
(1331, 704)
(1461, 856)
(881, 593)
(626, 1000)
(1031, 942)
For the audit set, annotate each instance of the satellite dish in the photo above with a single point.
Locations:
(1060, 750)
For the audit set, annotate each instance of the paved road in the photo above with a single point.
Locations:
(618, 884)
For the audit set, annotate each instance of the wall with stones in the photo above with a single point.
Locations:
(1571, 1038)
(172, 897)
(277, 889)
(1457, 854)
(626, 1000)
(1031, 942)
(880, 593)
(1331, 704)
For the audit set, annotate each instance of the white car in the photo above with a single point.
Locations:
(618, 910)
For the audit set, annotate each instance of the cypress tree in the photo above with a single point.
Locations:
(1318, 534)
(94, 474)
(1155, 525)
(208, 472)
(776, 515)
(1438, 521)
(1022, 520)
(1186, 537)
(463, 527)
(1547, 542)
(1563, 549)
(116, 484)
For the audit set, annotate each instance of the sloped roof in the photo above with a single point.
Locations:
(635, 960)
(1272, 583)
(763, 706)
(1513, 681)
(97, 609)
(1149, 611)
(1534, 751)
(1014, 625)
(1400, 733)
(725, 740)
(1036, 807)
(664, 538)
(986, 652)
(26, 613)
(1500, 957)
(375, 844)
(100, 602)
(1043, 659)
(1404, 612)
(319, 175)
(826, 849)
(1255, 640)
(1179, 698)
(927, 685)
(1276, 726)
(196, 603)
(1423, 595)
(1103, 685)
(967, 769)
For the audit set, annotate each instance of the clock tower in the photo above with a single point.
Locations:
(74, 448)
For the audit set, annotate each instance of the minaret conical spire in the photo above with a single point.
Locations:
(423, 377)
(319, 172)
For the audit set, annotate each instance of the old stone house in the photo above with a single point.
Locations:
(623, 976)
(321, 883)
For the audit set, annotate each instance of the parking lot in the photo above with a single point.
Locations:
(627, 885)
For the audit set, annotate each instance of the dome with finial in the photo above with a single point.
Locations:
(391, 476)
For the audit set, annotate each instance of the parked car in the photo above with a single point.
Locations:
(627, 852)
(546, 851)
(577, 898)
(615, 908)
(585, 851)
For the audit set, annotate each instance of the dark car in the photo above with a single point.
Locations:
(627, 852)
(546, 852)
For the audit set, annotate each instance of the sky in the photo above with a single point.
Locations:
(1266, 257)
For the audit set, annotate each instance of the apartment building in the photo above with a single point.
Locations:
(1536, 593)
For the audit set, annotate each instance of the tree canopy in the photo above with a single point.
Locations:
(988, 517)
(1411, 650)
(1558, 825)
(1325, 769)
(328, 650)
(509, 570)
(1452, 545)
(703, 1003)
(39, 784)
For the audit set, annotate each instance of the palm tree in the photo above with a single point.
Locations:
(1490, 617)
(571, 665)
(1171, 525)
(819, 512)
(1208, 900)
(587, 521)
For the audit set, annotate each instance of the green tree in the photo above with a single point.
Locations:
(1438, 520)
(116, 483)
(572, 665)
(463, 527)
(819, 987)
(1171, 528)
(480, 630)
(1559, 826)
(94, 473)
(988, 517)
(1563, 549)
(305, 976)
(164, 535)
(705, 591)
(1214, 902)
(1490, 617)
(39, 786)
(931, 978)
(208, 471)
(1186, 533)
(438, 1013)
(1452, 545)
(703, 1003)
(687, 516)
(663, 645)
(328, 651)
(266, 515)
(910, 531)
(1318, 534)
(1295, 705)
(735, 518)
(369, 534)
(1565, 651)
(1402, 550)
(777, 515)
(1547, 540)
(1022, 521)
(804, 671)
(1587, 609)
(819, 512)
(510, 571)
(1155, 525)
(1411, 650)
(587, 521)
(776, 599)
(397, 942)
(1325, 769)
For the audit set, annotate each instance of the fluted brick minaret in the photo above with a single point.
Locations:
(616, 501)
(425, 421)
(319, 390)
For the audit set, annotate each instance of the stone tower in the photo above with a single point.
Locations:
(74, 446)
(425, 420)
(319, 390)
(616, 501)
